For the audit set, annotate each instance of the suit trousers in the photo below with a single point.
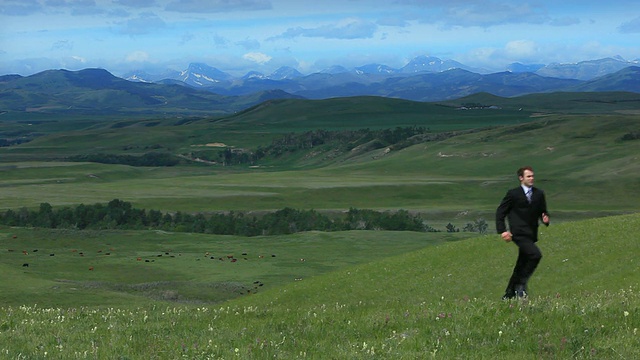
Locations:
(529, 257)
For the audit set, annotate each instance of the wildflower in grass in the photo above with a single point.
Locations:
(626, 313)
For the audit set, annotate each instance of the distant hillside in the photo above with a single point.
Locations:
(96, 91)
(628, 79)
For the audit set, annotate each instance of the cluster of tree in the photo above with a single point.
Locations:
(10, 138)
(341, 141)
(147, 159)
(118, 214)
(479, 225)
(634, 135)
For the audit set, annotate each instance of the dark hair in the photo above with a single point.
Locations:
(522, 169)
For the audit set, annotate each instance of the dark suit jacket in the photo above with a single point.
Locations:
(523, 216)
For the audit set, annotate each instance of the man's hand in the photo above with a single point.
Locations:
(506, 236)
(545, 218)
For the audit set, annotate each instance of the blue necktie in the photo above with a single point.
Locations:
(529, 196)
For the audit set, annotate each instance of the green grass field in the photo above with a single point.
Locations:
(343, 295)
(441, 301)
(115, 268)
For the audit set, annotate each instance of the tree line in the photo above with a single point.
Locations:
(340, 141)
(147, 159)
(118, 214)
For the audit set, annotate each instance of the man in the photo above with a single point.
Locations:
(523, 206)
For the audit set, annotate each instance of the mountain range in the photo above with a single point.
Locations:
(203, 75)
(424, 78)
(202, 89)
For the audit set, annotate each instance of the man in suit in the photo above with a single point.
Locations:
(524, 207)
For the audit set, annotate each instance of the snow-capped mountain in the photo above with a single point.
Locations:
(431, 64)
(203, 75)
(143, 76)
(285, 73)
(587, 70)
(254, 75)
(375, 69)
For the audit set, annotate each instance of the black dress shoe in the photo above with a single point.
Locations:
(520, 292)
(508, 296)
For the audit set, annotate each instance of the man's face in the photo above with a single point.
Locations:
(527, 178)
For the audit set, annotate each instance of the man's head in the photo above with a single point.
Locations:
(525, 175)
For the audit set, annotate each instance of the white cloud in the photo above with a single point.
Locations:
(79, 59)
(257, 57)
(216, 6)
(137, 56)
(345, 29)
(520, 49)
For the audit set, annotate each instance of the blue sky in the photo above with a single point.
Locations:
(241, 35)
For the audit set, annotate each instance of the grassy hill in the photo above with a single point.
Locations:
(440, 301)
(581, 161)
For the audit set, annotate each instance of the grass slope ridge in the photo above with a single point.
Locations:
(440, 302)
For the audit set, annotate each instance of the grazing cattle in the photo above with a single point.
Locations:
(52, 254)
(107, 253)
(91, 268)
(147, 261)
(229, 256)
(138, 259)
(234, 260)
(301, 259)
(35, 250)
(74, 250)
(15, 236)
(25, 265)
(273, 255)
(261, 256)
(25, 252)
(244, 254)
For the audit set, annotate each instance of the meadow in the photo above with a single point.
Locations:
(437, 302)
(125, 294)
